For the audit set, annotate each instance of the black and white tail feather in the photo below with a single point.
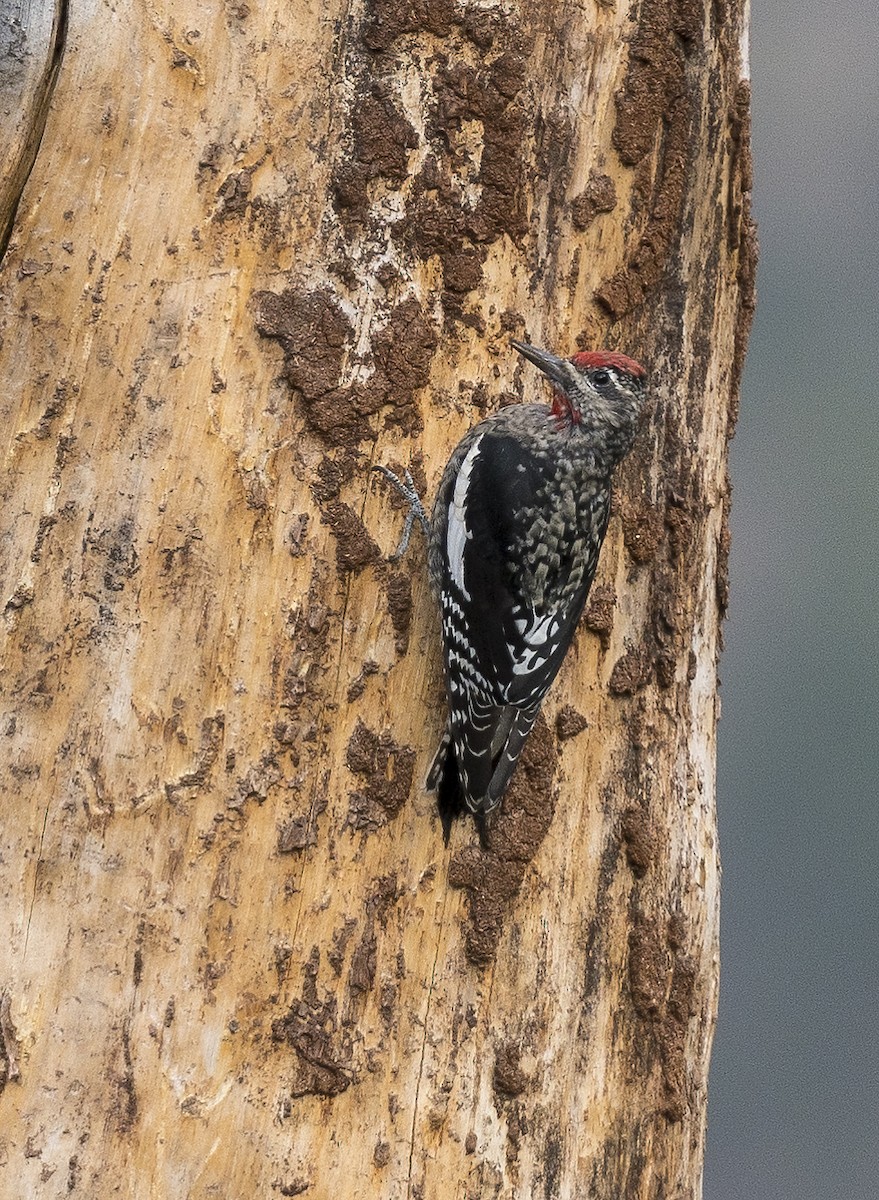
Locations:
(480, 760)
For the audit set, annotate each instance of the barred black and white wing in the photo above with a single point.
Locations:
(514, 547)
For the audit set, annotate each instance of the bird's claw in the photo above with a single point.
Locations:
(407, 489)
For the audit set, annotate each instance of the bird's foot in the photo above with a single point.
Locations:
(406, 488)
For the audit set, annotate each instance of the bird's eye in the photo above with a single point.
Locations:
(601, 378)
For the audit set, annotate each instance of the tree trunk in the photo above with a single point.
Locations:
(261, 248)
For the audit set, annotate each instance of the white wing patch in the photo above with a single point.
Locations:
(538, 634)
(537, 630)
(457, 533)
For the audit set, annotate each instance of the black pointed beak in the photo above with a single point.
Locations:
(556, 369)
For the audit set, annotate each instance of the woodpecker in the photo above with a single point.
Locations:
(513, 544)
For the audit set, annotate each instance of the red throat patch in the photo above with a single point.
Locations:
(562, 409)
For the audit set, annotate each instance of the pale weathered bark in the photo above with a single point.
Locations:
(31, 45)
(262, 247)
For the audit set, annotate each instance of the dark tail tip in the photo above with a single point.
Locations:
(482, 829)
(449, 796)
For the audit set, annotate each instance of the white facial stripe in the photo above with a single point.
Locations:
(457, 533)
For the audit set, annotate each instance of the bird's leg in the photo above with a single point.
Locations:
(406, 488)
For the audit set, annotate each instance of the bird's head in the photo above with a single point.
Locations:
(597, 389)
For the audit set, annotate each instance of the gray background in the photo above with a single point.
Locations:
(794, 1087)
